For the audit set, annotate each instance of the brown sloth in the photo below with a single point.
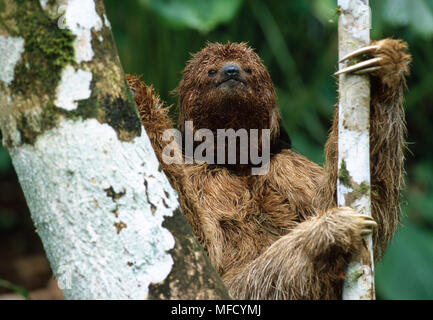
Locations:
(278, 235)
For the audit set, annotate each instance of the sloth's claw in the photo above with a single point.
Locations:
(361, 66)
(367, 70)
(363, 50)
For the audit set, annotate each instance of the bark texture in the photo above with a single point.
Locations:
(353, 185)
(107, 216)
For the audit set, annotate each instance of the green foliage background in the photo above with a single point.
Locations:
(298, 42)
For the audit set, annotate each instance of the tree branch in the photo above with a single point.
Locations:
(99, 200)
(353, 186)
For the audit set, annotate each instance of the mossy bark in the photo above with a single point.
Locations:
(30, 99)
(75, 207)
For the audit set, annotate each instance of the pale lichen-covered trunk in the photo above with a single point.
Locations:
(108, 218)
(353, 185)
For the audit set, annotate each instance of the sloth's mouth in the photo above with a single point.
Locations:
(231, 81)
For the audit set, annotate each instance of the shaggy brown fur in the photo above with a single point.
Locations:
(278, 235)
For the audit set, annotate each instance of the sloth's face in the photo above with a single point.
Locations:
(229, 77)
(227, 82)
(232, 71)
(226, 86)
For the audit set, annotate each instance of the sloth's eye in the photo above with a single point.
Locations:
(212, 72)
(248, 70)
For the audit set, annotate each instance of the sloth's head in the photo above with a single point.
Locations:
(227, 86)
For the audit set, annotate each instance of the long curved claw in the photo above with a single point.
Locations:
(368, 224)
(367, 70)
(359, 52)
(358, 66)
(372, 224)
(365, 232)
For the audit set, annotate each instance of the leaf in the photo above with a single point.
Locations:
(325, 11)
(405, 272)
(196, 14)
(413, 13)
(17, 289)
(420, 191)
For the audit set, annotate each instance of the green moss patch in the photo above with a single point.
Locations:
(31, 127)
(47, 49)
(343, 174)
(118, 112)
(358, 190)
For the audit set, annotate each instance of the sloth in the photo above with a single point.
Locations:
(278, 234)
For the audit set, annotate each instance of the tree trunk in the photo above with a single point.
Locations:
(353, 186)
(108, 218)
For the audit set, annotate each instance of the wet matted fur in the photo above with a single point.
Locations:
(278, 235)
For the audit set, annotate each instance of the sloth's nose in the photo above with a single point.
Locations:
(231, 69)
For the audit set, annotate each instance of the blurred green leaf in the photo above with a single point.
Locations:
(414, 13)
(423, 173)
(17, 289)
(196, 14)
(325, 11)
(420, 191)
(406, 270)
